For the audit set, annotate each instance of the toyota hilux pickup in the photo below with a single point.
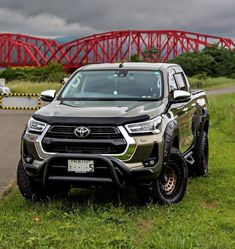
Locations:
(116, 125)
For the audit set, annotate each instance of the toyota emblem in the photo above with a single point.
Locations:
(82, 131)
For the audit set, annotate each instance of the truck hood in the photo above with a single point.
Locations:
(102, 109)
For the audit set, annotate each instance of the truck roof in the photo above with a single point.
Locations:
(128, 65)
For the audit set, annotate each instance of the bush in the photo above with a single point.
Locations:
(211, 61)
(51, 73)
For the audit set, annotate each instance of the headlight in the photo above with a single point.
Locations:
(152, 125)
(36, 126)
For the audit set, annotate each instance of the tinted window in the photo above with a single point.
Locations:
(172, 82)
(127, 84)
(181, 81)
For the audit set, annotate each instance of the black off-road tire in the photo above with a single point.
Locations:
(201, 154)
(170, 187)
(35, 191)
(30, 189)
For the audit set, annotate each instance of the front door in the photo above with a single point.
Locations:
(183, 112)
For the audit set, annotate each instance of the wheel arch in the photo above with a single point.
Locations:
(171, 139)
(206, 126)
(205, 122)
(176, 142)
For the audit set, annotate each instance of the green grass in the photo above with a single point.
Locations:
(32, 87)
(204, 219)
(211, 83)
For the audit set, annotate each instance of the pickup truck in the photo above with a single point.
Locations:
(116, 125)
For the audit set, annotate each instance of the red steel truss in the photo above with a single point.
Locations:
(115, 46)
(24, 50)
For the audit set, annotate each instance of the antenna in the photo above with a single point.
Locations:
(121, 64)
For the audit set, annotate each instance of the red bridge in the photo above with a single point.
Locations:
(147, 45)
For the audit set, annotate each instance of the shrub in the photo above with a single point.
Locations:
(211, 61)
(51, 73)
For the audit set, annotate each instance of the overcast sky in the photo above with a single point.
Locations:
(79, 18)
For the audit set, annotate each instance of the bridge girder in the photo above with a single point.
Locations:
(114, 46)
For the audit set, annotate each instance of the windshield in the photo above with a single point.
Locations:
(111, 85)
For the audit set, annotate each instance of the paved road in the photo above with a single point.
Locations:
(12, 124)
(221, 91)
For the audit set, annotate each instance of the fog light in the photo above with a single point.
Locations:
(29, 159)
(150, 162)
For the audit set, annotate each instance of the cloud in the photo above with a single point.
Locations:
(40, 24)
(59, 17)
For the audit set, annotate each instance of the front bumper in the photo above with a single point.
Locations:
(107, 171)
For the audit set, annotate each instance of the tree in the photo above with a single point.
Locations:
(213, 61)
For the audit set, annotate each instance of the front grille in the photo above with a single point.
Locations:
(67, 132)
(101, 140)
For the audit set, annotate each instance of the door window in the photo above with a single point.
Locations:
(179, 77)
(172, 82)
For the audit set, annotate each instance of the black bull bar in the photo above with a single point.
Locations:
(112, 164)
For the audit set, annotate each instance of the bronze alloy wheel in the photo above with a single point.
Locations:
(170, 187)
(168, 181)
(171, 179)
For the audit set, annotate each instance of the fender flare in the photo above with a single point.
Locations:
(22, 135)
(170, 132)
(204, 119)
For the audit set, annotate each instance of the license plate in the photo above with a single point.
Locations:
(81, 166)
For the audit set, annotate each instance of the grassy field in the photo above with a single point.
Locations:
(204, 219)
(211, 83)
(33, 87)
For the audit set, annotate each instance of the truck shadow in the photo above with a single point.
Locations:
(101, 197)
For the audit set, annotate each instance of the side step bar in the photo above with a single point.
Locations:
(189, 158)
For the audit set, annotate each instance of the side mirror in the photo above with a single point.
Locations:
(48, 95)
(180, 96)
(64, 81)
